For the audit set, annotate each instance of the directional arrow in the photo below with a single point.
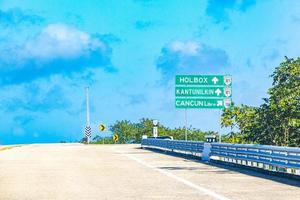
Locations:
(115, 137)
(215, 80)
(218, 92)
(220, 103)
(102, 127)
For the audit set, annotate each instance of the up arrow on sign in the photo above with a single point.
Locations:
(218, 92)
(215, 80)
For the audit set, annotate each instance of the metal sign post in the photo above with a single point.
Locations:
(88, 129)
(155, 132)
(185, 116)
(220, 127)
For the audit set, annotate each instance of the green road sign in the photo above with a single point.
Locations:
(218, 103)
(208, 91)
(203, 91)
(203, 80)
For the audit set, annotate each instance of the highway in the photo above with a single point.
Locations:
(123, 172)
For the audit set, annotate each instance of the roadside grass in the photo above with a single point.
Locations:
(9, 147)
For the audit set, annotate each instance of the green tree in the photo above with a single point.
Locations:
(243, 118)
(276, 121)
(125, 129)
(284, 101)
(144, 127)
(128, 131)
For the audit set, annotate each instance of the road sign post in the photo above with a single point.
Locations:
(185, 118)
(88, 130)
(155, 132)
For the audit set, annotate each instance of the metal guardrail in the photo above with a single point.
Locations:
(272, 158)
(192, 147)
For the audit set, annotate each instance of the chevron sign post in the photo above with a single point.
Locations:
(88, 132)
(203, 91)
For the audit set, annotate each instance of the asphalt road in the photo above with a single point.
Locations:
(75, 171)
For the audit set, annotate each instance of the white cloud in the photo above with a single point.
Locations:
(188, 48)
(60, 40)
(57, 49)
(191, 57)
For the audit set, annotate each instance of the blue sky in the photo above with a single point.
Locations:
(128, 52)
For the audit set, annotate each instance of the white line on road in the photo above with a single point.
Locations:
(179, 179)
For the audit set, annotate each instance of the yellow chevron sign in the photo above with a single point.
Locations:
(115, 137)
(102, 127)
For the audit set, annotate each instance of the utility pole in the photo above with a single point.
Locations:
(87, 133)
(185, 116)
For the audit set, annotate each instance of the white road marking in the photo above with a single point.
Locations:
(179, 179)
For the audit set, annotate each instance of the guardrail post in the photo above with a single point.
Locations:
(206, 151)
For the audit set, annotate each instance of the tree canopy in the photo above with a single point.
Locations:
(277, 120)
(130, 132)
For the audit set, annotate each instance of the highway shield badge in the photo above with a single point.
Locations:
(227, 80)
(227, 103)
(227, 92)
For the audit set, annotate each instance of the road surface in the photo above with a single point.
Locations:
(76, 171)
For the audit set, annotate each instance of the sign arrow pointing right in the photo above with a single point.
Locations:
(102, 127)
(220, 103)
